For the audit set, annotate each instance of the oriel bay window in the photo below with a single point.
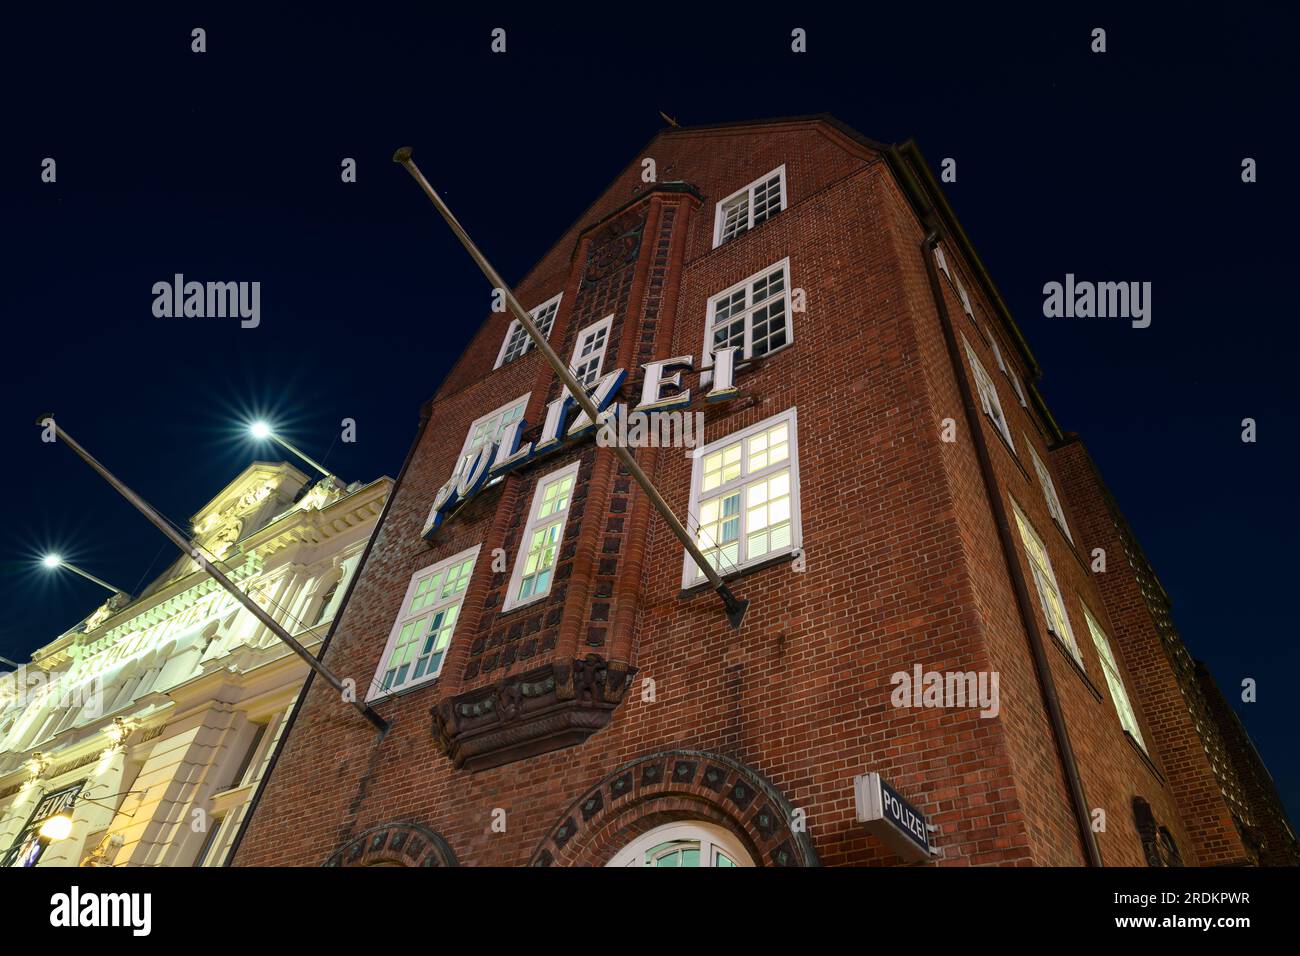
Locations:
(539, 548)
(745, 497)
(422, 633)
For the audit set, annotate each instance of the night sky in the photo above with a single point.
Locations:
(225, 165)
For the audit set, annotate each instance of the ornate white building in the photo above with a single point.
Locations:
(149, 724)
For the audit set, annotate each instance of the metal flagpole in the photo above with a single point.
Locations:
(191, 549)
(735, 607)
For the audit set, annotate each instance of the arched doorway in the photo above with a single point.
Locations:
(685, 845)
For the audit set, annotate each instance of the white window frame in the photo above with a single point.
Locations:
(469, 447)
(405, 616)
(1054, 507)
(1019, 389)
(1045, 580)
(719, 217)
(691, 575)
(942, 260)
(590, 332)
(711, 838)
(535, 524)
(988, 394)
(1114, 679)
(514, 324)
(965, 299)
(748, 313)
(997, 353)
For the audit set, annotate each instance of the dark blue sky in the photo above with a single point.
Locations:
(225, 165)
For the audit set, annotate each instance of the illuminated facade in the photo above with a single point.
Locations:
(141, 732)
(952, 653)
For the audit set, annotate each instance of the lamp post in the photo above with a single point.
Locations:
(262, 431)
(52, 561)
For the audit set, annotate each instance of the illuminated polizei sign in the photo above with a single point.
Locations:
(494, 459)
(889, 816)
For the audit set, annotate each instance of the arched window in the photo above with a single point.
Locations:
(689, 844)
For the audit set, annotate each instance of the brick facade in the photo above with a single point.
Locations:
(541, 716)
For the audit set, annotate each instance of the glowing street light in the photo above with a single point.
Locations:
(57, 828)
(262, 431)
(52, 561)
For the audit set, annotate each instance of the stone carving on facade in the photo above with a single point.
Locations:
(37, 764)
(118, 731)
(547, 708)
(1157, 842)
(105, 852)
(677, 784)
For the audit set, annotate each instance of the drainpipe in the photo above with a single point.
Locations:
(1023, 601)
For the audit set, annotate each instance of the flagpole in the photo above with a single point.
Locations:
(736, 607)
(192, 549)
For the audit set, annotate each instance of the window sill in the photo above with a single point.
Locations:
(687, 593)
(383, 698)
(1078, 667)
(729, 243)
(1146, 758)
(521, 605)
(1071, 547)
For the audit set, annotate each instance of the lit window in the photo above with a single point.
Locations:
(1049, 492)
(988, 393)
(487, 429)
(539, 549)
(517, 341)
(754, 315)
(418, 643)
(1118, 694)
(682, 846)
(746, 208)
(745, 497)
(1049, 593)
(589, 351)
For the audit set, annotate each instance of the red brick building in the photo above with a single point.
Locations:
(887, 489)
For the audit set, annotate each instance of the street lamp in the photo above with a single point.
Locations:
(262, 431)
(52, 561)
(56, 828)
